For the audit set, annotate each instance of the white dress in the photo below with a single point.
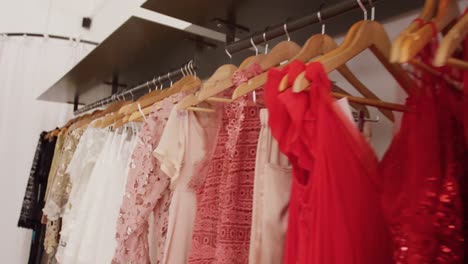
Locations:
(92, 240)
(80, 169)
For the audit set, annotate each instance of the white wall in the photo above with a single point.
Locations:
(27, 68)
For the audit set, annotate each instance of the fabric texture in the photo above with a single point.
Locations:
(147, 191)
(221, 231)
(92, 239)
(272, 189)
(59, 191)
(181, 152)
(30, 216)
(334, 213)
(80, 169)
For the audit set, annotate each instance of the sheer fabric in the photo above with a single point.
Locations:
(80, 169)
(221, 231)
(334, 212)
(92, 238)
(146, 192)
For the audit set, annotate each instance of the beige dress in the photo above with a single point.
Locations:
(271, 198)
(59, 190)
(181, 152)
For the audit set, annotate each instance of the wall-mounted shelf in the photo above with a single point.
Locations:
(259, 14)
(135, 52)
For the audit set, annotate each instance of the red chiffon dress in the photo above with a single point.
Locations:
(335, 216)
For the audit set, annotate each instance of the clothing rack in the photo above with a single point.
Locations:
(297, 24)
(132, 91)
(37, 35)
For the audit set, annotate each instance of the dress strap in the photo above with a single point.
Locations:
(141, 112)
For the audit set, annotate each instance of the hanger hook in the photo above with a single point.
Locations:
(229, 54)
(193, 68)
(255, 47)
(160, 83)
(319, 16)
(266, 43)
(169, 77)
(182, 70)
(131, 93)
(154, 83)
(149, 88)
(363, 8)
(285, 26)
(187, 68)
(372, 10)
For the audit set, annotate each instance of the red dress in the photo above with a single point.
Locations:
(422, 172)
(334, 215)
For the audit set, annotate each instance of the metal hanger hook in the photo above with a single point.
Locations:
(193, 68)
(285, 26)
(319, 16)
(266, 43)
(255, 47)
(154, 83)
(160, 83)
(363, 8)
(131, 93)
(169, 77)
(149, 88)
(372, 10)
(229, 54)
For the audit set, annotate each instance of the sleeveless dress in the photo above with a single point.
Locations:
(334, 213)
(221, 232)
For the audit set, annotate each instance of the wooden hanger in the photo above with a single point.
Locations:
(321, 44)
(370, 35)
(450, 43)
(447, 13)
(283, 51)
(358, 107)
(427, 13)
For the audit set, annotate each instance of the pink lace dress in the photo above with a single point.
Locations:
(223, 220)
(146, 192)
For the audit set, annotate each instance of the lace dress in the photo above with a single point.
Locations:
(79, 169)
(30, 216)
(221, 231)
(59, 190)
(146, 192)
(91, 240)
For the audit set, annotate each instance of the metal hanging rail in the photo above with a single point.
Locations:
(189, 67)
(37, 35)
(297, 24)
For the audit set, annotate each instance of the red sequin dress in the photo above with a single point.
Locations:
(335, 216)
(422, 172)
(221, 231)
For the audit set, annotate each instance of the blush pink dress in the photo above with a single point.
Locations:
(181, 151)
(146, 192)
(221, 231)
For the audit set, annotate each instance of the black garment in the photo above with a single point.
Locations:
(33, 202)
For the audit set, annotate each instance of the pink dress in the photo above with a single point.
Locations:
(221, 231)
(181, 151)
(146, 192)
